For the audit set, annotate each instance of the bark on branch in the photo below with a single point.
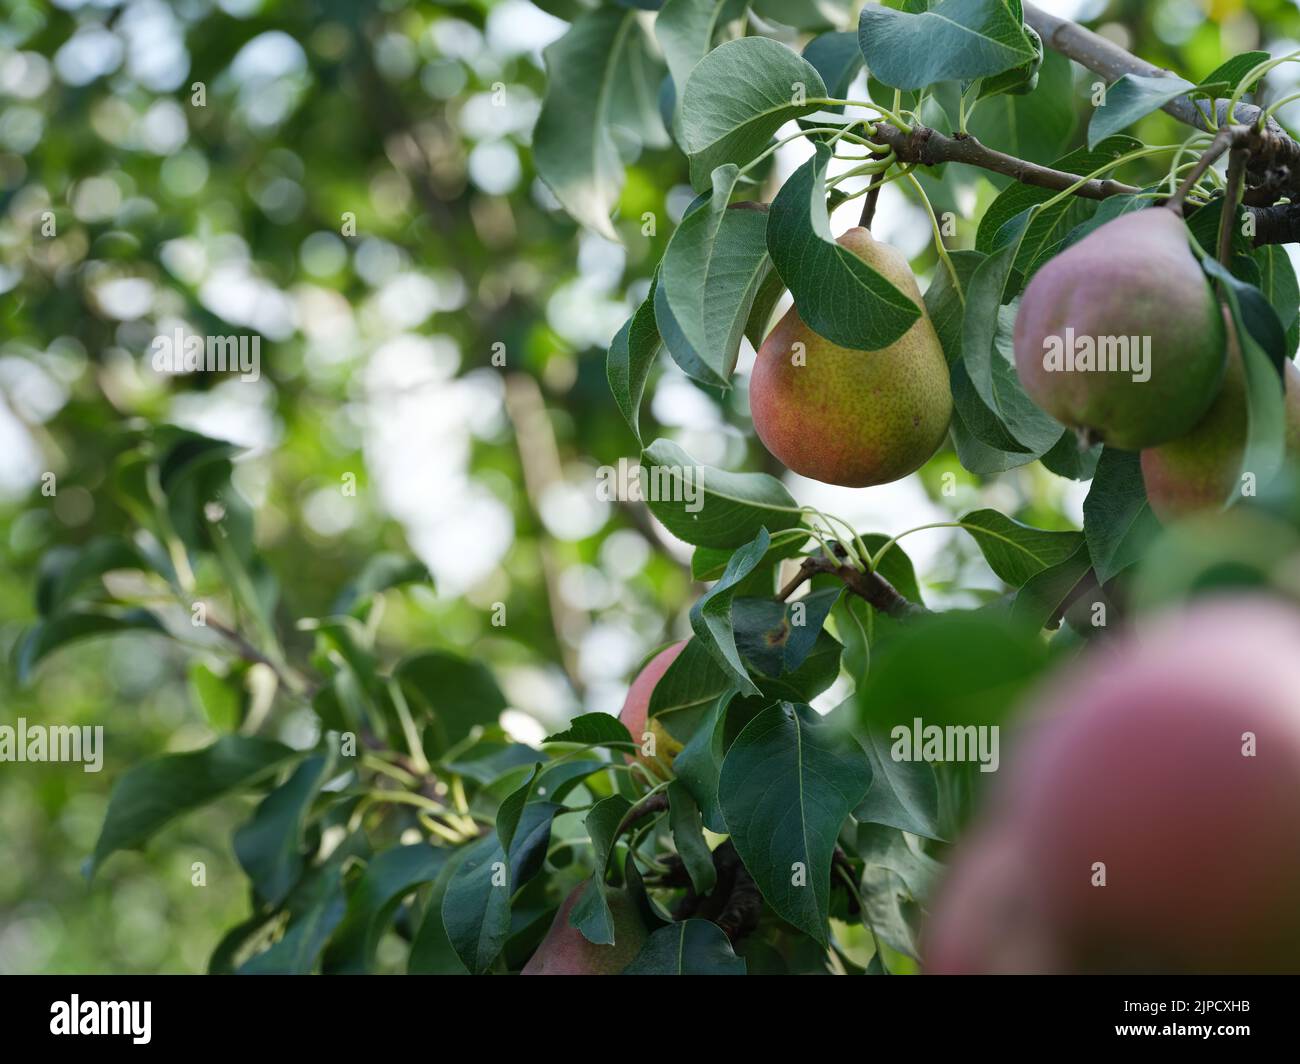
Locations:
(872, 587)
(1278, 224)
(929, 147)
(1274, 167)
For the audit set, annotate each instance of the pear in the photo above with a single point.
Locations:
(1132, 284)
(1200, 471)
(1149, 818)
(853, 418)
(565, 951)
(637, 705)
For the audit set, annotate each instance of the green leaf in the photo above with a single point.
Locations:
(711, 614)
(315, 919)
(692, 947)
(381, 573)
(713, 508)
(512, 808)
(631, 354)
(219, 696)
(1117, 519)
(813, 676)
(708, 563)
(1018, 81)
(692, 683)
(476, 907)
(151, 795)
(1130, 98)
(388, 878)
(777, 637)
(987, 661)
(765, 302)
(432, 952)
(787, 784)
(1230, 73)
(1067, 460)
(1038, 599)
(64, 571)
(737, 97)
(1049, 228)
(457, 693)
(896, 879)
(1016, 552)
(269, 847)
(838, 59)
(574, 147)
(698, 765)
(1281, 289)
(944, 303)
(991, 371)
(686, 30)
(955, 40)
(595, 729)
(837, 294)
(713, 268)
(804, 14)
(45, 637)
(1110, 208)
(1264, 353)
(1036, 126)
(688, 836)
(903, 794)
(592, 915)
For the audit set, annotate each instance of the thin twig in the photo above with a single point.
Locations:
(1231, 197)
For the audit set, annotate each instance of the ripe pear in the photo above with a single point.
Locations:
(1131, 282)
(637, 704)
(1150, 819)
(1200, 471)
(853, 418)
(564, 950)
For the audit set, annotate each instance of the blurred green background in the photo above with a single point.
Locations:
(198, 165)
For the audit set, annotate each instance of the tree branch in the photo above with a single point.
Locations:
(872, 587)
(1278, 224)
(1112, 62)
(1274, 168)
(929, 147)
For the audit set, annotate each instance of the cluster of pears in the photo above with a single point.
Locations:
(564, 950)
(1133, 285)
(853, 418)
(1149, 820)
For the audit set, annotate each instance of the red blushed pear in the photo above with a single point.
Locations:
(1150, 819)
(565, 951)
(853, 418)
(637, 705)
(1133, 287)
(1202, 470)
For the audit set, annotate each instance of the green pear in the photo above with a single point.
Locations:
(853, 418)
(565, 951)
(1200, 471)
(1130, 294)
